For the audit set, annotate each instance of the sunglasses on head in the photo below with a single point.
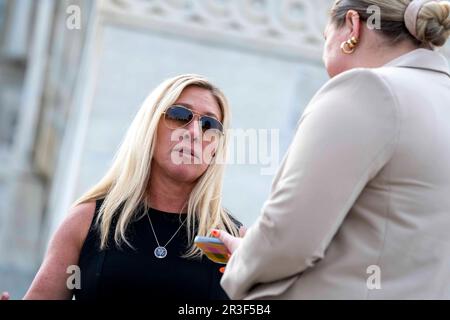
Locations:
(178, 116)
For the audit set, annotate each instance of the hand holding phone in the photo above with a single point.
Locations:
(213, 248)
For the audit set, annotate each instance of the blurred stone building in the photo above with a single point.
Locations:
(39, 70)
(74, 72)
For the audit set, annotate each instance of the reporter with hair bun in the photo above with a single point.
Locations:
(360, 208)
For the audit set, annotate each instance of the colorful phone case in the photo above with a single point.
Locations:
(213, 248)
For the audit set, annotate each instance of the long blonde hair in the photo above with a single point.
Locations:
(124, 185)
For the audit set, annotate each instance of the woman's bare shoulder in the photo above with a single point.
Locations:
(78, 221)
(64, 251)
(83, 211)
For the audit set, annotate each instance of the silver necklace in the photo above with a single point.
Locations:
(161, 251)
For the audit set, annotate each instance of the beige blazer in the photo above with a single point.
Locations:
(360, 207)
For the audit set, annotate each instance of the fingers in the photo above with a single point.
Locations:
(242, 231)
(215, 233)
(224, 236)
(222, 270)
(4, 296)
(228, 240)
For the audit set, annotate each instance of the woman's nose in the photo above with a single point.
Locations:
(194, 128)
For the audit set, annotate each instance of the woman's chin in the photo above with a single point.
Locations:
(185, 173)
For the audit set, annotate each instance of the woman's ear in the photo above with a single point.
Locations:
(353, 24)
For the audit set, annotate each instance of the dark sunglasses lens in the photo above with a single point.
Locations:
(209, 123)
(177, 117)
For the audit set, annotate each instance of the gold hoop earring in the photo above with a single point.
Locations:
(349, 46)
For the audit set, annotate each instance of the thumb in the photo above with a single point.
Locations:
(224, 236)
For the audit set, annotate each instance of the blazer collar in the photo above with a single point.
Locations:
(424, 59)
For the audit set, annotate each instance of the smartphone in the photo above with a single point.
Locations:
(213, 248)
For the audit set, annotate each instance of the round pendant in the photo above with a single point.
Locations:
(160, 252)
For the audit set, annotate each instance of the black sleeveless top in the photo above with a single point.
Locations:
(127, 273)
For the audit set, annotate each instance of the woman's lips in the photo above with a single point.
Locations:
(184, 151)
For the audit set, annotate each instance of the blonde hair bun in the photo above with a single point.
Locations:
(433, 23)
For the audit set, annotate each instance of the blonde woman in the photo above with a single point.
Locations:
(360, 208)
(132, 234)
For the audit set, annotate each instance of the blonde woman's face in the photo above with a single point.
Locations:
(184, 153)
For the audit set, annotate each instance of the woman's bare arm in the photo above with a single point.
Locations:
(50, 282)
